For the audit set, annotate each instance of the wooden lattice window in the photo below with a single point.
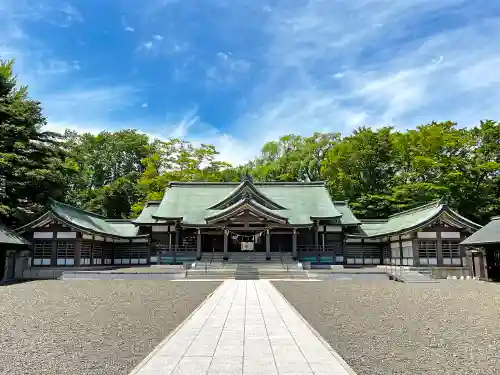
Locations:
(85, 253)
(451, 252)
(427, 252)
(97, 254)
(65, 253)
(139, 253)
(107, 254)
(42, 253)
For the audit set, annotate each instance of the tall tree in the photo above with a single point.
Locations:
(32, 166)
(360, 168)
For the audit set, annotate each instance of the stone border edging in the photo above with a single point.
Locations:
(142, 363)
(337, 356)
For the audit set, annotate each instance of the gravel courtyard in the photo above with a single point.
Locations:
(89, 327)
(385, 328)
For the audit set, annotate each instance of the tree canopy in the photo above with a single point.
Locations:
(379, 171)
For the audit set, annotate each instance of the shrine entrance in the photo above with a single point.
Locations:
(246, 241)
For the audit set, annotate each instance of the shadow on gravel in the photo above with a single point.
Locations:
(388, 328)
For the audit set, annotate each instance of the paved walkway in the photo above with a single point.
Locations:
(245, 327)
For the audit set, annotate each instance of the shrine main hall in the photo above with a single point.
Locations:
(201, 220)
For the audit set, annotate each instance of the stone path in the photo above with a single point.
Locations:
(247, 328)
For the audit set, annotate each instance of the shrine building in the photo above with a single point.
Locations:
(197, 220)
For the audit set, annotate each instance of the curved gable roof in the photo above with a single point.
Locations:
(246, 204)
(87, 222)
(11, 238)
(191, 202)
(413, 219)
(249, 189)
(489, 234)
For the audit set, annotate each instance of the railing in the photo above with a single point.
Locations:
(177, 253)
(282, 260)
(397, 265)
(316, 251)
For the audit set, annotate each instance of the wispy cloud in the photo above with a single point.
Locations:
(328, 73)
(226, 69)
(262, 69)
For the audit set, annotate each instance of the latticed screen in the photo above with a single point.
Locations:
(451, 252)
(139, 253)
(122, 253)
(97, 254)
(85, 253)
(427, 252)
(65, 253)
(107, 254)
(42, 253)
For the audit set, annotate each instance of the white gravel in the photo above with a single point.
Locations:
(89, 327)
(385, 328)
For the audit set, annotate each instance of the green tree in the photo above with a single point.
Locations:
(360, 168)
(32, 161)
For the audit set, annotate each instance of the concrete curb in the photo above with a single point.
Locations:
(337, 356)
(151, 354)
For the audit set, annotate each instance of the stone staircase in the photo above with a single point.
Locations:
(247, 266)
(411, 275)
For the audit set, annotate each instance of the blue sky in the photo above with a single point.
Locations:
(240, 73)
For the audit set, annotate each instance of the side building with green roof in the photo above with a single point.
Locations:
(484, 250)
(427, 235)
(14, 254)
(65, 237)
(222, 220)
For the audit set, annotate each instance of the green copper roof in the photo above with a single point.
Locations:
(92, 222)
(9, 237)
(413, 219)
(192, 201)
(489, 234)
(246, 188)
(146, 216)
(88, 222)
(348, 217)
(125, 228)
(251, 205)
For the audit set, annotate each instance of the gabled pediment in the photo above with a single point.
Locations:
(246, 208)
(246, 190)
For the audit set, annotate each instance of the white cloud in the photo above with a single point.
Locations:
(129, 29)
(226, 70)
(158, 37)
(448, 74)
(144, 105)
(148, 45)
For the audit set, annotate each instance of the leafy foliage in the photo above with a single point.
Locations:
(380, 171)
(32, 161)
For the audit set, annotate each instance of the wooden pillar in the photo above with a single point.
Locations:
(363, 251)
(268, 245)
(439, 249)
(53, 259)
(315, 234)
(78, 252)
(226, 233)
(294, 244)
(198, 244)
(400, 251)
(177, 236)
(113, 252)
(414, 249)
